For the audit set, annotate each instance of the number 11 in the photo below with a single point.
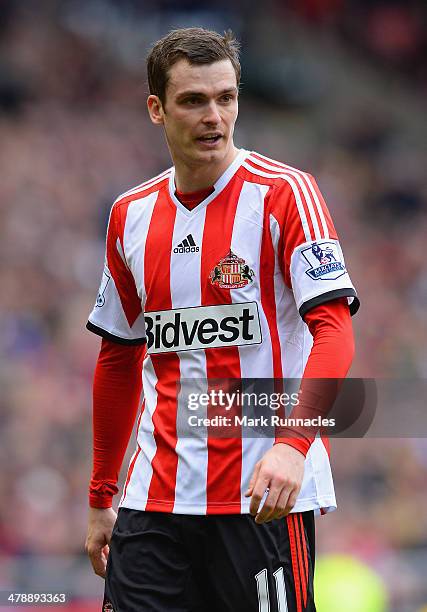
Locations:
(263, 594)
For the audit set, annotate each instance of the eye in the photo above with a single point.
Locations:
(192, 101)
(227, 98)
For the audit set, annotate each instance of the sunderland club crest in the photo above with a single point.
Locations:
(232, 272)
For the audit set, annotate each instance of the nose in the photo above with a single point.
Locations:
(212, 116)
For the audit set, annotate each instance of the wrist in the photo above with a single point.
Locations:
(100, 502)
(298, 444)
(101, 493)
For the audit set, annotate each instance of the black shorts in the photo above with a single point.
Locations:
(162, 562)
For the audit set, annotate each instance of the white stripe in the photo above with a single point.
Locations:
(111, 317)
(317, 234)
(135, 233)
(318, 206)
(135, 453)
(120, 251)
(191, 446)
(140, 190)
(246, 242)
(127, 474)
(317, 484)
(291, 327)
(139, 483)
(313, 191)
(145, 185)
(296, 193)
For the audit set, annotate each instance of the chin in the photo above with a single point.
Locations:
(208, 156)
(215, 154)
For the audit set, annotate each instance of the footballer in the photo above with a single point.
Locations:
(227, 265)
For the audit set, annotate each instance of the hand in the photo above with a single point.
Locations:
(281, 470)
(100, 527)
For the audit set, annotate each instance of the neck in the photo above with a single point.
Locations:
(194, 178)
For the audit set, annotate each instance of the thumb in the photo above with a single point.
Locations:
(98, 557)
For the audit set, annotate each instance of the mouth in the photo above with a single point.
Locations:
(210, 139)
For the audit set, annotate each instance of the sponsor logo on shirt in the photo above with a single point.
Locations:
(324, 260)
(187, 246)
(231, 272)
(184, 329)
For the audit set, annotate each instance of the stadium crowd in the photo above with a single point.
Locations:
(74, 133)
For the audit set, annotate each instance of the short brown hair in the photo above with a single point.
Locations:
(197, 46)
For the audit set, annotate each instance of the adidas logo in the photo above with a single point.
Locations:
(187, 246)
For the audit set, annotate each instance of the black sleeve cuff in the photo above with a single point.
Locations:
(104, 334)
(331, 295)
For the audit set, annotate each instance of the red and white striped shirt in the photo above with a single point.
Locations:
(217, 292)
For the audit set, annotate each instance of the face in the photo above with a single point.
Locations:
(199, 113)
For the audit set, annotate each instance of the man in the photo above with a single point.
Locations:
(210, 274)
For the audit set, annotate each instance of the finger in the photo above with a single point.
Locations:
(108, 534)
(282, 507)
(291, 501)
(98, 558)
(252, 481)
(268, 509)
(292, 496)
(258, 492)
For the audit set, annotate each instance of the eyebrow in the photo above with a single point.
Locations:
(191, 92)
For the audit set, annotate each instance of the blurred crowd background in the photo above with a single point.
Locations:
(336, 87)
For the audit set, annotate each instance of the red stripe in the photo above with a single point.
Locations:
(140, 416)
(268, 298)
(224, 455)
(286, 170)
(122, 276)
(132, 464)
(306, 179)
(304, 547)
(158, 250)
(329, 222)
(287, 215)
(130, 470)
(131, 193)
(294, 558)
(300, 561)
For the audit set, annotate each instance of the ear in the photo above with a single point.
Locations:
(155, 109)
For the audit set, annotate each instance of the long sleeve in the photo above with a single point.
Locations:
(116, 396)
(333, 341)
(330, 358)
